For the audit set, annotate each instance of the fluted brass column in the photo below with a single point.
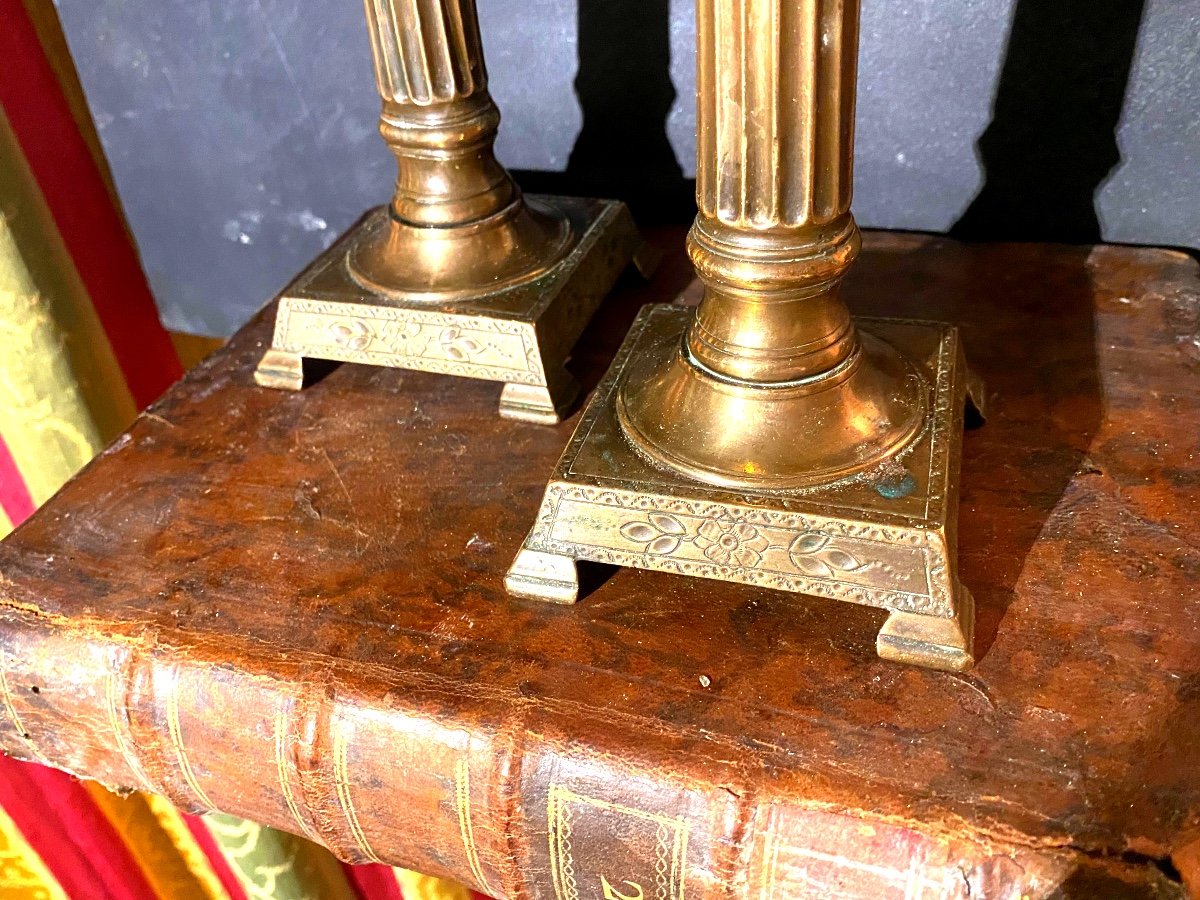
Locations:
(459, 274)
(765, 438)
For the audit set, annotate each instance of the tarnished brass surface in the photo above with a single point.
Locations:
(458, 247)
(520, 335)
(884, 539)
(791, 435)
(764, 437)
(772, 385)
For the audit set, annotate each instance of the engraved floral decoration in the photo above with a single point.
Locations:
(400, 336)
(731, 542)
(407, 337)
(811, 554)
(735, 542)
(353, 335)
(458, 346)
(663, 534)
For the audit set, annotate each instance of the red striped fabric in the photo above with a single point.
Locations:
(91, 228)
(70, 833)
(14, 496)
(373, 882)
(54, 813)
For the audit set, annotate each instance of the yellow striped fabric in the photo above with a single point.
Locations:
(170, 859)
(23, 875)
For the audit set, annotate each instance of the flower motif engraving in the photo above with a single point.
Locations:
(457, 346)
(353, 335)
(726, 542)
(811, 554)
(662, 534)
(400, 335)
(735, 542)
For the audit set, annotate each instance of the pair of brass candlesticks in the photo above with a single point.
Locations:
(763, 437)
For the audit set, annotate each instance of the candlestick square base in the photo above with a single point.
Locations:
(884, 538)
(520, 335)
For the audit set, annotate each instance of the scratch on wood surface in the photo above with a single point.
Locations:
(973, 685)
(354, 526)
(338, 476)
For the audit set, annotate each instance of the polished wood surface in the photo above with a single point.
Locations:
(354, 537)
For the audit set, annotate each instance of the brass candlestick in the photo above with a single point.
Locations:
(765, 438)
(460, 274)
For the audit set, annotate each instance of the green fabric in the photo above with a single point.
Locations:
(275, 865)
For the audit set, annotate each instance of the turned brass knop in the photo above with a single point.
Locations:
(457, 223)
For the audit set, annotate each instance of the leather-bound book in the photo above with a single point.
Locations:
(290, 607)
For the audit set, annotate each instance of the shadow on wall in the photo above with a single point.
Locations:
(625, 93)
(1050, 146)
(1052, 140)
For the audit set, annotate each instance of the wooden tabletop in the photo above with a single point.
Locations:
(368, 521)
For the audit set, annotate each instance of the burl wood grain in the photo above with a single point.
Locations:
(365, 526)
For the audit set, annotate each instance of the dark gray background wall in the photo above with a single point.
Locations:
(241, 133)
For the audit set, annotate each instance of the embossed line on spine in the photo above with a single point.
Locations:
(175, 732)
(283, 755)
(117, 706)
(462, 791)
(341, 780)
(11, 709)
(678, 860)
(505, 794)
(770, 857)
(562, 863)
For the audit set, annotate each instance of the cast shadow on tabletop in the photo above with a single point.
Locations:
(1047, 152)
(625, 94)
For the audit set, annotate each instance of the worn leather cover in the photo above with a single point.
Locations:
(290, 607)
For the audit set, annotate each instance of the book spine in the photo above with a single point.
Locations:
(514, 797)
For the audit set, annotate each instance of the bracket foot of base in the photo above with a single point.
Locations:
(281, 370)
(930, 642)
(535, 403)
(543, 576)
